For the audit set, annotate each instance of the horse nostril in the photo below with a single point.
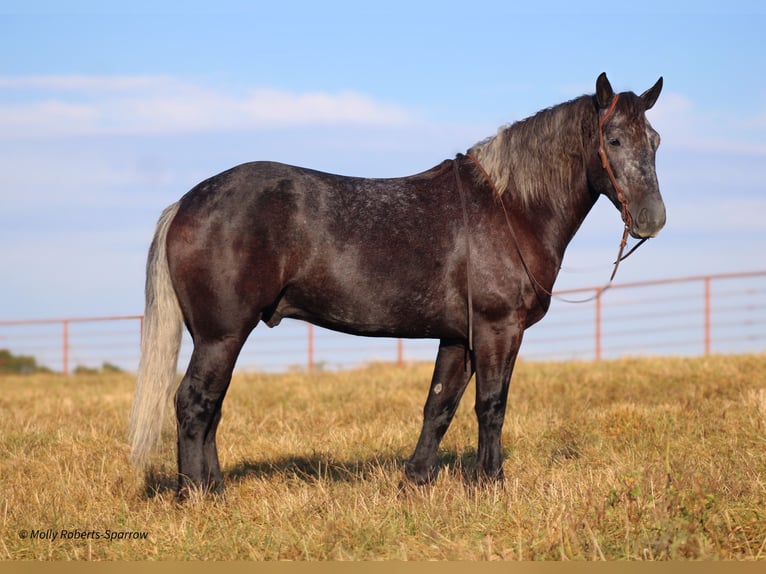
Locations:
(643, 217)
(648, 221)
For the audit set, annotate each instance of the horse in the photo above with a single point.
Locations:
(466, 252)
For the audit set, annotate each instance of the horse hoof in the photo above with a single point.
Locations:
(420, 477)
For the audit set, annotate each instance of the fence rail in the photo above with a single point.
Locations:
(700, 315)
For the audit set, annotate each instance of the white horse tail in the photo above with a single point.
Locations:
(160, 343)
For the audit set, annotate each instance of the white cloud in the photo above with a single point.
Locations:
(55, 106)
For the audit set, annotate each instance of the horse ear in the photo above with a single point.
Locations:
(650, 96)
(604, 91)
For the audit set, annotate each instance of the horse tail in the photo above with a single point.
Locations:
(160, 344)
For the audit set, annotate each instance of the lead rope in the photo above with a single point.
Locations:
(469, 291)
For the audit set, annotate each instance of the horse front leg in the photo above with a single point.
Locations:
(452, 372)
(495, 358)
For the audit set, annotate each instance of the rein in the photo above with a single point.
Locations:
(627, 219)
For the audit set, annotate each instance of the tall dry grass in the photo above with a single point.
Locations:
(631, 459)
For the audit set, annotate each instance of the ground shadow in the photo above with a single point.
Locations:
(312, 468)
(160, 482)
(321, 466)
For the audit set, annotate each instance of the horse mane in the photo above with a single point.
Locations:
(539, 157)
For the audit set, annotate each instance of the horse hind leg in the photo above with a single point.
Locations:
(198, 411)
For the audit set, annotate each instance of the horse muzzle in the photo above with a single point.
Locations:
(648, 221)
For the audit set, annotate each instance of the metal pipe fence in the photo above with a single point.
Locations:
(700, 315)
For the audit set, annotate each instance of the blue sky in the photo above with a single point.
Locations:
(108, 113)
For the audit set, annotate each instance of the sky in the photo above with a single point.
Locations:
(111, 111)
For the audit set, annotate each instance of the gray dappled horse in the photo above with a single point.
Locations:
(466, 252)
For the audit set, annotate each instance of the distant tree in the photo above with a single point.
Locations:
(10, 363)
(110, 368)
(105, 368)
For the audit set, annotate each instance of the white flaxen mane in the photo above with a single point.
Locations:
(539, 158)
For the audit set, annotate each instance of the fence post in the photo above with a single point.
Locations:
(708, 328)
(65, 346)
(400, 352)
(598, 323)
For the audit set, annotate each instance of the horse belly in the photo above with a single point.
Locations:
(387, 301)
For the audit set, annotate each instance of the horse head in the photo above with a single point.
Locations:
(627, 148)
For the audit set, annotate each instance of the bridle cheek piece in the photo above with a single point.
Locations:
(627, 218)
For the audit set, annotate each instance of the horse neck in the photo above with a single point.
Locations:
(544, 232)
(540, 168)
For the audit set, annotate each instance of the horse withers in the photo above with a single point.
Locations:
(466, 252)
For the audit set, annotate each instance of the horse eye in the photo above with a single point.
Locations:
(614, 142)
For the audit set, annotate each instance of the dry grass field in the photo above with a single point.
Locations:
(631, 459)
